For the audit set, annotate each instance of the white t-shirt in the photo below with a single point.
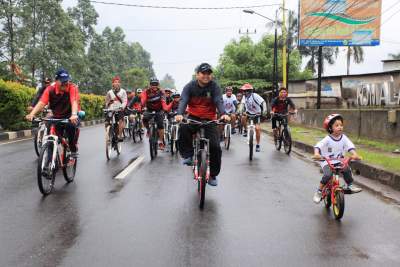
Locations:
(334, 148)
(229, 103)
(253, 103)
(117, 103)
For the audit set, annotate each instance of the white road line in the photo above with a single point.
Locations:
(130, 168)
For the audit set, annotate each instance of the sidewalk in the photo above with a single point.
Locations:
(372, 177)
(6, 136)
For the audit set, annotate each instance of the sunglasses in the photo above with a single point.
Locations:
(154, 84)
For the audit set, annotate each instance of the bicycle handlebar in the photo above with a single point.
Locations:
(191, 121)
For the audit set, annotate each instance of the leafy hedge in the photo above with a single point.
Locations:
(15, 98)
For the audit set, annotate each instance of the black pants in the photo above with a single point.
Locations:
(274, 120)
(186, 144)
(158, 118)
(71, 132)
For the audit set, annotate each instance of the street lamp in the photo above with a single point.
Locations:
(275, 67)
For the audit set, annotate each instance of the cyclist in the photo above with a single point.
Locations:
(255, 105)
(335, 145)
(280, 104)
(241, 109)
(168, 95)
(116, 98)
(135, 102)
(46, 83)
(62, 97)
(153, 99)
(230, 103)
(202, 97)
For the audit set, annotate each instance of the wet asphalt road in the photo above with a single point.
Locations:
(261, 214)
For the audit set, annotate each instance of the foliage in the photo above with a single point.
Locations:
(39, 37)
(167, 81)
(15, 97)
(394, 56)
(135, 78)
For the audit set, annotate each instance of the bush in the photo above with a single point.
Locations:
(15, 98)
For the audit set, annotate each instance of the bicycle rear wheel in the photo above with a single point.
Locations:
(202, 177)
(45, 173)
(278, 139)
(287, 141)
(251, 142)
(172, 145)
(69, 168)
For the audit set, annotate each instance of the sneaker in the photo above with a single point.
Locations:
(233, 131)
(353, 188)
(187, 161)
(245, 134)
(74, 155)
(120, 140)
(213, 181)
(258, 148)
(317, 196)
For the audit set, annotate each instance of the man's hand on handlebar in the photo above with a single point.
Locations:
(29, 117)
(178, 118)
(226, 118)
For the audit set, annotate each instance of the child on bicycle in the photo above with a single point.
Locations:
(280, 105)
(335, 145)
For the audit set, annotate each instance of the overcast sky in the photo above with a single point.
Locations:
(181, 46)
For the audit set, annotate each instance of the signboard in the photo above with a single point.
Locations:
(339, 22)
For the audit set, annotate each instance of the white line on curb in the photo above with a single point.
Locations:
(130, 168)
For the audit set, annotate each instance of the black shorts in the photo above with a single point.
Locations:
(256, 119)
(158, 118)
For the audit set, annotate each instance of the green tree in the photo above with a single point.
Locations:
(357, 53)
(85, 17)
(135, 78)
(168, 81)
(329, 55)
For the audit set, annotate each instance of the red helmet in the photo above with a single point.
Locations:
(329, 119)
(246, 86)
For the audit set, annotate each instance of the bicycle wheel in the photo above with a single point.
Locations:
(117, 143)
(139, 130)
(251, 141)
(133, 132)
(36, 142)
(45, 173)
(338, 206)
(227, 136)
(151, 141)
(109, 137)
(287, 141)
(172, 145)
(202, 177)
(327, 199)
(69, 168)
(278, 140)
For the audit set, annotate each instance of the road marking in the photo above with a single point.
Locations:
(129, 169)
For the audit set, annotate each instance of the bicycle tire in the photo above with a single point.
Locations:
(108, 142)
(328, 199)
(35, 143)
(134, 132)
(338, 206)
(227, 137)
(151, 146)
(203, 179)
(251, 144)
(117, 143)
(287, 141)
(69, 171)
(139, 131)
(172, 145)
(278, 140)
(50, 175)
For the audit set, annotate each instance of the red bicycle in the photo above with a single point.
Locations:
(333, 193)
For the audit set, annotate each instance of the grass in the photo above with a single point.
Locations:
(375, 152)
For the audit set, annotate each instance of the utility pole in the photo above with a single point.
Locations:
(275, 71)
(319, 77)
(247, 32)
(284, 78)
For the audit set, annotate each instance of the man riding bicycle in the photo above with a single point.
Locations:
(230, 103)
(153, 99)
(62, 97)
(280, 105)
(202, 97)
(255, 106)
(116, 98)
(168, 95)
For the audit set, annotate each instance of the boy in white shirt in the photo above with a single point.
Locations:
(335, 145)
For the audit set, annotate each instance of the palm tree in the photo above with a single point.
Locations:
(329, 54)
(357, 53)
(395, 56)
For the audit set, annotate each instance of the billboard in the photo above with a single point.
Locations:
(339, 22)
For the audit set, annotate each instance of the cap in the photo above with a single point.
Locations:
(204, 67)
(62, 75)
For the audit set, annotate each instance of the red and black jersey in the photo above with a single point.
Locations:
(60, 102)
(201, 102)
(281, 106)
(154, 100)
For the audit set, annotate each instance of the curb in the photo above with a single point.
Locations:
(371, 172)
(5, 136)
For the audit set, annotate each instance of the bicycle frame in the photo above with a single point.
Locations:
(333, 184)
(58, 143)
(250, 127)
(199, 143)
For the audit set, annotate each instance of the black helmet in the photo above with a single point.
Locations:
(154, 81)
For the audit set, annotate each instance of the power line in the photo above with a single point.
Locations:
(182, 8)
(185, 29)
